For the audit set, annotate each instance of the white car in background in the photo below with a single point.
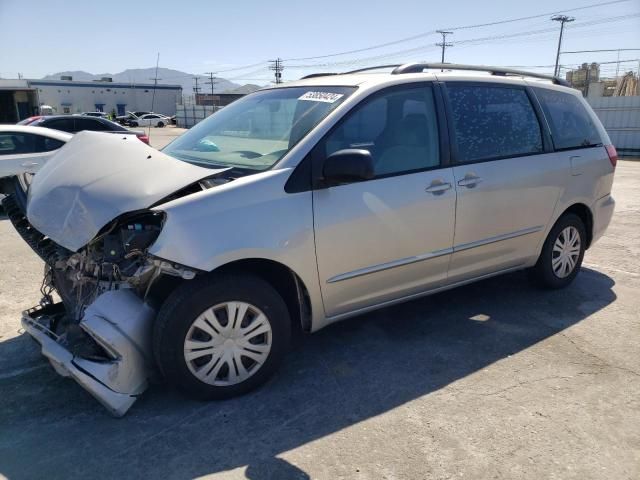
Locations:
(95, 114)
(151, 120)
(23, 150)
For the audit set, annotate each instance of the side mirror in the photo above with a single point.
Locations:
(348, 165)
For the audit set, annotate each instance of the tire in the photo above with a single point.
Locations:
(20, 190)
(210, 376)
(551, 271)
(160, 125)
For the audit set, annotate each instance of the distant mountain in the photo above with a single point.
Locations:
(165, 76)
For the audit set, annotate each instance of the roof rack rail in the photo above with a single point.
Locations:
(366, 69)
(314, 75)
(501, 71)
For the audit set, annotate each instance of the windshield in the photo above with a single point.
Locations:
(259, 129)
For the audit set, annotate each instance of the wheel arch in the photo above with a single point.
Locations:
(286, 282)
(586, 215)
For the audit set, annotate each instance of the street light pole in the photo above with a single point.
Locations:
(562, 19)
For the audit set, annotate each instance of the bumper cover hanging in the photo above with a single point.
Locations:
(120, 323)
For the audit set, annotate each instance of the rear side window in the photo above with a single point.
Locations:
(493, 122)
(398, 127)
(13, 143)
(92, 124)
(570, 123)
(63, 124)
(45, 144)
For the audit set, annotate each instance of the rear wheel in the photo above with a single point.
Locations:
(221, 336)
(562, 253)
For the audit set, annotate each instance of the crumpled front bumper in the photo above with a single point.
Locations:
(121, 324)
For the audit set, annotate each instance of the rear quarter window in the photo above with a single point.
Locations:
(62, 124)
(492, 122)
(570, 123)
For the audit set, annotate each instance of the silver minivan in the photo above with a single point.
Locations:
(301, 205)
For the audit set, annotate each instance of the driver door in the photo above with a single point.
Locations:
(389, 237)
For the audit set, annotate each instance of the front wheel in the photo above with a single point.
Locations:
(221, 336)
(562, 253)
(160, 124)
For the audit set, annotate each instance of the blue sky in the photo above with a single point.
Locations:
(41, 37)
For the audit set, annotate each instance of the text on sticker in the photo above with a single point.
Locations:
(328, 97)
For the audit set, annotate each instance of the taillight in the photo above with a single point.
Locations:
(144, 138)
(613, 154)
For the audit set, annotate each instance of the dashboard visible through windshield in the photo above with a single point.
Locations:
(259, 129)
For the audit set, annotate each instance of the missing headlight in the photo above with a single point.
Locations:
(131, 235)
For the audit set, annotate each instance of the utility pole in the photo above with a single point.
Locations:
(277, 67)
(562, 19)
(212, 81)
(444, 43)
(155, 82)
(196, 90)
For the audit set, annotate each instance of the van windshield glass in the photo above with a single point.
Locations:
(256, 131)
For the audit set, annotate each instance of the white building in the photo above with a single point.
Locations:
(68, 96)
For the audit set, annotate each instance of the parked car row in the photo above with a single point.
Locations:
(79, 123)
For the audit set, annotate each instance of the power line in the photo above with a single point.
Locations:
(603, 50)
(470, 41)
(463, 27)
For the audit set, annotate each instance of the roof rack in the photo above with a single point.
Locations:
(500, 71)
(314, 75)
(377, 67)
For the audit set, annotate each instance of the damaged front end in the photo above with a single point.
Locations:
(100, 333)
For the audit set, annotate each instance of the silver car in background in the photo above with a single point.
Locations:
(302, 205)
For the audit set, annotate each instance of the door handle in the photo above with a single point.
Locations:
(30, 164)
(469, 181)
(438, 187)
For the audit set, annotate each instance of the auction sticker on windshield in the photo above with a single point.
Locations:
(328, 97)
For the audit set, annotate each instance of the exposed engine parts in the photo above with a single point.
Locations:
(99, 334)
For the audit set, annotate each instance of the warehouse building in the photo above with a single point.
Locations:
(69, 96)
(18, 100)
(21, 98)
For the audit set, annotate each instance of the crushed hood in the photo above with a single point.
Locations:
(97, 177)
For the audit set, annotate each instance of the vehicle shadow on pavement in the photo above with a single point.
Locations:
(343, 375)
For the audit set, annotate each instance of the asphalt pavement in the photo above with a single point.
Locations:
(492, 380)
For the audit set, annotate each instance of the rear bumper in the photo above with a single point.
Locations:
(120, 323)
(602, 213)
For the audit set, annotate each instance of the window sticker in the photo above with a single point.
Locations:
(328, 97)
